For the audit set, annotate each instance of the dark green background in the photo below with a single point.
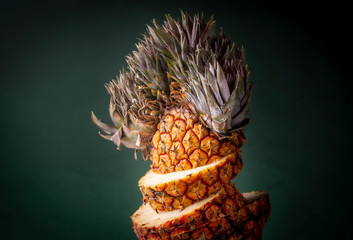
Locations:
(60, 180)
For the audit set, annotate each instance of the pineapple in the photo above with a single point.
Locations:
(183, 102)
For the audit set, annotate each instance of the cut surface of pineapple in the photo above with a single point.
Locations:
(148, 217)
(254, 196)
(177, 190)
(153, 179)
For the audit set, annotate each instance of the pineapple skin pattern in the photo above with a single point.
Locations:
(183, 102)
(182, 142)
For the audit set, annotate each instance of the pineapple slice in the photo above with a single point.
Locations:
(178, 190)
(148, 224)
(246, 223)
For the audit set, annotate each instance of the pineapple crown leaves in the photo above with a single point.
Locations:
(210, 70)
(220, 92)
(130, 109)
(180, 62)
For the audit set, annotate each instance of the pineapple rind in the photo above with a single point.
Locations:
(182, 142)
(246, 223)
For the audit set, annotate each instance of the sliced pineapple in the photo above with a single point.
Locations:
(246, 223)
(149, 224)
(177, 190)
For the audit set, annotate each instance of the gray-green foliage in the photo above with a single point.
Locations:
(179, 62)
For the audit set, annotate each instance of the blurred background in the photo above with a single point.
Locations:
(60, 180)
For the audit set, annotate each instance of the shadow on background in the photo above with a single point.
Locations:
(59, 180)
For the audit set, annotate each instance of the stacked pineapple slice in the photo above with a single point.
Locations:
(184, 102)
(204, 221)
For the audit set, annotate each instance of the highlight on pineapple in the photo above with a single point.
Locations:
(183, 101)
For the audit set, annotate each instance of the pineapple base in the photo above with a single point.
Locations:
(202, 221)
